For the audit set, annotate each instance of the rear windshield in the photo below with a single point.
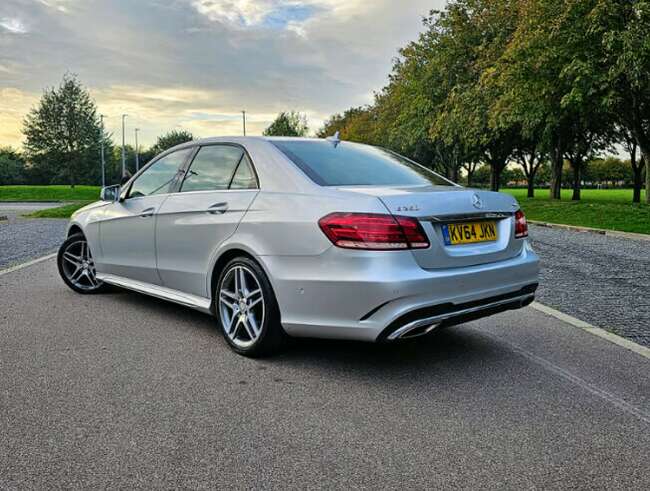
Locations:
(352, 164)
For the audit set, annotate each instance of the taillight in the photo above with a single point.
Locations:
(521, 225)
(373, 231)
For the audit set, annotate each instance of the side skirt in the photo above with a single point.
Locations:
(181, 298)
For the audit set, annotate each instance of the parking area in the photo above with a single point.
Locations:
(121, 390)
(23, 239)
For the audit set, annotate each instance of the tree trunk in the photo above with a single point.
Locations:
(469, 178)
(495, 175)
(638, 183)
(556, 173)
(646, 157)
(577, 168)
(531, 186)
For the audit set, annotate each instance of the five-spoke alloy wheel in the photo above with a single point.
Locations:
(247, 309)
(77, 267)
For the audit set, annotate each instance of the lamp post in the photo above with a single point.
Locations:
(101, 123)
(137, 157)
(123, 148)
(243, 113)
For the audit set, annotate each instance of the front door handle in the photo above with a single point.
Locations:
(147, 213)
(218, 208)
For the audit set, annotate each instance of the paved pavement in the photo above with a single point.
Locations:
(121, 390)
(22, 239)
(600, 279)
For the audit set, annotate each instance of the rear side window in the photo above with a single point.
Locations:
(352, 164)
(157, 178)
(244, 177)
(213, 168)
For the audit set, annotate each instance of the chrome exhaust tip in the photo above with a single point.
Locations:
(413, 330)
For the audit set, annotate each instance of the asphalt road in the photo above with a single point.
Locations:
(120, 390)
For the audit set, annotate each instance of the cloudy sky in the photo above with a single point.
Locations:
(195, 64)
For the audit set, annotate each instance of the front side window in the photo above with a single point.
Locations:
(158, 177)
(213, 168)
(353, 164)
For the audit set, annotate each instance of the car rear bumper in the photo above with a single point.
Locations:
(370, 296)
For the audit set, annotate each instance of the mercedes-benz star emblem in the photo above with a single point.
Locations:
(477, 202)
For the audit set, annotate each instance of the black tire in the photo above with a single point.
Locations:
(271, 338)
(85, 284)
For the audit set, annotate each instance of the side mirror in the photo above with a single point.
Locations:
(110, 193)
(125, 178)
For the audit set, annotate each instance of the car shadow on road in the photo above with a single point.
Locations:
(461, 348)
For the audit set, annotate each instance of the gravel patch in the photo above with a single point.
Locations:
(23, 239)
(600, 279)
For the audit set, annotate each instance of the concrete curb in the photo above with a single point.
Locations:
(600, 231)
(596, 331)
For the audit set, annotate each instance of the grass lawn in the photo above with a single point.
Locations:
(49, 193)
(599, 208)
(60, 211)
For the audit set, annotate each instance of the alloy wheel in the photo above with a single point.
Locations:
(79, 267)
(241, 306)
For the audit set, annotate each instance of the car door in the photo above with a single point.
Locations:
(217, 190)
(127, 231)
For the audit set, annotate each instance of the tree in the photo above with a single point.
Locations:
(529, 157)
(637, 164)
(63, 134)
(169, 140)
(12, 167)
(288, 124)
(623, 51)
(543, 78)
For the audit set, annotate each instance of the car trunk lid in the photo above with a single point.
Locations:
(438, 206)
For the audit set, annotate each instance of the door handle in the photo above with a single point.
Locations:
(218, 208)
(147, 213)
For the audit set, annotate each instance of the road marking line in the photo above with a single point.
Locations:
(596, 331)
(566, 375)
(27, 264)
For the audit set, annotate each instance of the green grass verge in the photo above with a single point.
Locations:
(592, 195)
(599, 208)
(49, 193)
(58, 212)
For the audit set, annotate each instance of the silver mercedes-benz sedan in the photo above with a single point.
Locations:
(281, 237)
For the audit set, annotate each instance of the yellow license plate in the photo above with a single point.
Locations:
(469, 233)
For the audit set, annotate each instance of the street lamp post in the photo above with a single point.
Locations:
(101, 122)
(123, 148)
(243, 113)
(137, 156)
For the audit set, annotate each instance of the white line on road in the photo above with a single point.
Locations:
(27, 264)
(568, 376)
(596, 331)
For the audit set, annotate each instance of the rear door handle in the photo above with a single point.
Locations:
(147, 213)
(218, 208)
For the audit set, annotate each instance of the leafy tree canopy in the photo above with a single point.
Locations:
(288, 124)
(169, 140)
(63, 134)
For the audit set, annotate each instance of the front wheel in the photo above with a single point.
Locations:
(247, 310)
(76, 265)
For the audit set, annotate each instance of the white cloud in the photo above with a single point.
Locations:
(14, 26)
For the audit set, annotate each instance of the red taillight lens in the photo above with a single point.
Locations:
(373, 231)
(521, 225)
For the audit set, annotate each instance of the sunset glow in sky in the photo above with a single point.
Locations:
(195, 64)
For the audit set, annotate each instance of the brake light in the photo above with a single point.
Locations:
(521, 225)
(373, 231)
